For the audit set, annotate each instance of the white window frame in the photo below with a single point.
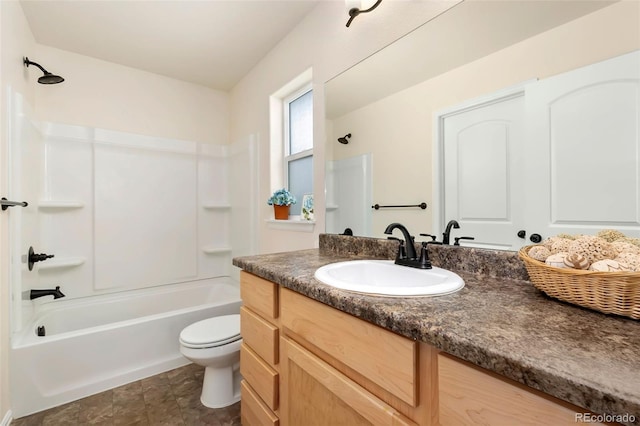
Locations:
(279, 146)
(288, 157)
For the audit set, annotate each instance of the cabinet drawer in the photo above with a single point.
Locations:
(316, 393)
(470, 395)
(355, 343)
(260, 335)
(262, 378)
(260, 295)
(253, 411)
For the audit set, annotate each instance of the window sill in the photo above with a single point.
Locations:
(296, 225)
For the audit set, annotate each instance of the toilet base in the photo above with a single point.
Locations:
(221, 386)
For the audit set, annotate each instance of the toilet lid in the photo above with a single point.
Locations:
(216, 331)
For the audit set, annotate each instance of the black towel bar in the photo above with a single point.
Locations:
(378, 206)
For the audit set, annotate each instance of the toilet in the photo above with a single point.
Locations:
(215, 344)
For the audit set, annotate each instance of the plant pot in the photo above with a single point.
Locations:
(281, 212)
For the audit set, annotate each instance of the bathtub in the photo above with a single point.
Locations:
(97, 343)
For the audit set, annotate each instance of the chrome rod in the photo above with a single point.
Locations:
(6, 203)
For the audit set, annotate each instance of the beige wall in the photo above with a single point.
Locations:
(399, 129)
(320, 41)
(111, 96)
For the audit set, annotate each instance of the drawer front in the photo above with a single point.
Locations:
(253, 411)
(470, 395)
(314, 393)
(355, 343)
(260, 295)
(260, 335)
(262, 378)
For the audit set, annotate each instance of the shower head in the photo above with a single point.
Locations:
(47, 78)
(345, 139)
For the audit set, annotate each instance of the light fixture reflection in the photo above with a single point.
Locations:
(357, 10)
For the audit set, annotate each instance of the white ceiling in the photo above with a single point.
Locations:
(213, 43)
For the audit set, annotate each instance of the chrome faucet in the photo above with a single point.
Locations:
(56, 293)
(410, 257)
(447, 232)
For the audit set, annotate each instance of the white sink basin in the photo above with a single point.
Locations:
(383, 277)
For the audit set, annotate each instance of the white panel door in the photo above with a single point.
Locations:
(583, 149)
(483, 184)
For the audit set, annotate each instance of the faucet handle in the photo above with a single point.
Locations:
(425, 262)
(457, 240)
(402, 253)
(433, 237)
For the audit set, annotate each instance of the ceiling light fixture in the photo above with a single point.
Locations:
(357, 7)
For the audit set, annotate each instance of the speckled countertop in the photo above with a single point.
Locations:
(498, 321)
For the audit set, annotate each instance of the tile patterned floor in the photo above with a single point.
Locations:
(167, 399)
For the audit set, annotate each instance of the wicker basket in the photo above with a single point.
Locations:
(608, 292)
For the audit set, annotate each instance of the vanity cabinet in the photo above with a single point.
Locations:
(306, 363)
(338, 369)
(259, 353)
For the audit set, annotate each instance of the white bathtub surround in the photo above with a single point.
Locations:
(6, 420)
(97, 343)
(118, 210)
(141, 228)
(137, 208)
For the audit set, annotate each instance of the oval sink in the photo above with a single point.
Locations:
(383, 277)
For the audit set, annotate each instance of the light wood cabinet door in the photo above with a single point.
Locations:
(260, 375)
(356, 343)
(314, 393)
(260, 295)
(260, 335)
(253, 411)
(472, 396)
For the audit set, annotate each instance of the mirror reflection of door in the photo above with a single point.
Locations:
(483, 186)
(560, 158)
(584, 149)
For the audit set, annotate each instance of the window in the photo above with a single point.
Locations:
(298, 141)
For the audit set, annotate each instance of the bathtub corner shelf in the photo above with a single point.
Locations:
(59, 204)
(64, 262)
(216, 250)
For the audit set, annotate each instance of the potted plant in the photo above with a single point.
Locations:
(281, 200)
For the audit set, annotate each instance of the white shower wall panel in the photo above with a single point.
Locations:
(214, 253)
(122, 211)
(25, 183)
(213, 167)
(145, 213)
(65, 231)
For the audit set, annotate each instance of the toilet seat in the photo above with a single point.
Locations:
(212, 332)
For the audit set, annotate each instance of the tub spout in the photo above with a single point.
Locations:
(56, 293)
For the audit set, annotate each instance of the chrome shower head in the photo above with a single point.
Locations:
(47, 78)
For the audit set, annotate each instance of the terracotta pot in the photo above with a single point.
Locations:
(281, 212)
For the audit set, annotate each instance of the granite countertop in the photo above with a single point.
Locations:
(498, 321)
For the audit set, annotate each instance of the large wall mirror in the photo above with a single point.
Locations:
(389, 103)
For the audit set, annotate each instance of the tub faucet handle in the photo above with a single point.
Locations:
(36, 257)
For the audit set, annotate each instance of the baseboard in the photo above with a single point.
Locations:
(6, 420)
